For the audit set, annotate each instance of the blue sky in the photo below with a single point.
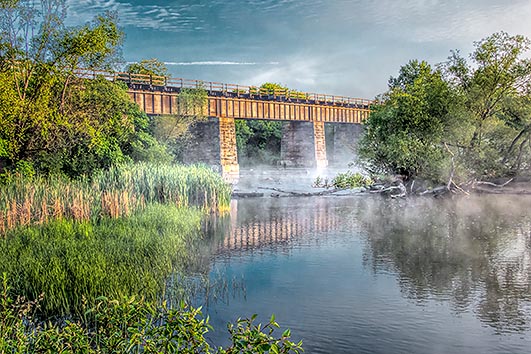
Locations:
(343, 47)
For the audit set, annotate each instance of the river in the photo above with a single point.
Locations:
(366, 274)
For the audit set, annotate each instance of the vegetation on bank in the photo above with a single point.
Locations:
(71, 263)
(80, 217)
(345, 180)
(130, 325)
(119, 191)
(462, 121)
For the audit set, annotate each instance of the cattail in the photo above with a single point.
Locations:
(44, 212)
(2, 223)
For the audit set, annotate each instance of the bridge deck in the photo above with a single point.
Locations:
(157, 95)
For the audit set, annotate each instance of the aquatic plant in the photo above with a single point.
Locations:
(73, 262)
(129, 325)
(116, 192)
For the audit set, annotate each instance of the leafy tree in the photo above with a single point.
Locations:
(258, 141)
(404, 133)
(465, 120)
(53, 118)
(148, 67)
(494, 90)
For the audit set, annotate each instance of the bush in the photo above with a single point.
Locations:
(130, 325)
(347, 180)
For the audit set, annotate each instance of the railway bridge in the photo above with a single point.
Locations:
(214, 143)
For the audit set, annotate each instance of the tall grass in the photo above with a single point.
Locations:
(71, 262)
(114, 193)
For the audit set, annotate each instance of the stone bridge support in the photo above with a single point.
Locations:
(213, 142)
(303, 145)
(345, 142)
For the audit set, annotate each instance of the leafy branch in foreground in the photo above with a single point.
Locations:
(130, 325)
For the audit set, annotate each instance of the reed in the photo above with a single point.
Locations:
(114, 193)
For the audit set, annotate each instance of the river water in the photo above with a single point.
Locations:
(371, 275)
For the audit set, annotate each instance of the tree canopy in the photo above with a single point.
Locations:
(53, 120)
(463, 119)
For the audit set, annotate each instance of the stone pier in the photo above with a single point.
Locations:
(345, 142)
(230, 169)
(303, 145)
(213, 142)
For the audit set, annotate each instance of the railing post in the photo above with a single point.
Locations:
(151, 79)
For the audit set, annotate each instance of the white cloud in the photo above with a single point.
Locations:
(297, 73)
(165, 18)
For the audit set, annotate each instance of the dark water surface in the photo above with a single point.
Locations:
(371, 275)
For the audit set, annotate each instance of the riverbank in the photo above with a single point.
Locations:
(287, 182)
(273, 182)
(121, 232)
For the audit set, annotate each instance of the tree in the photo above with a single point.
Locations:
(150, 71)
(494, 90)
(258, 141)
(404, 133)
(148, 67)
(463, 121)
(53, 118)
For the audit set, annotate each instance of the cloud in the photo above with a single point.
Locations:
(171, 18)
(297, 73)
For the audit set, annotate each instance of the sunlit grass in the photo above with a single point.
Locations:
(114, 193)
(68, 260)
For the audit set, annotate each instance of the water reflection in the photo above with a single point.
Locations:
(471, 253)
(276, 224)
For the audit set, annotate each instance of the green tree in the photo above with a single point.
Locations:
(494, 89)
(148, 67)
(258, 141)
(463, 121)
(404, 134)
(150, 71)
(52, 117)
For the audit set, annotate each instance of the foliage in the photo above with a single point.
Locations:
(249, 338)
(258, 141)
(495, 91)
(404, 131)
(129, 325)
(148, 67)
(53, 119)
(117, 192)
(346, 180)
(75, 262)
(461, 121)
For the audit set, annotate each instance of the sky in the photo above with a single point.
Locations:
(339, 47)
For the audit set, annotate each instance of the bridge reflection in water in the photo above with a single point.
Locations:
(473, 254)
(270, 225)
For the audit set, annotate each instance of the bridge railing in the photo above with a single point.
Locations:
(218, 87)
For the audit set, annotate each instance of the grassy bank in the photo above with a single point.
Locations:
(121, 233)
(69, 261)
(117, 192)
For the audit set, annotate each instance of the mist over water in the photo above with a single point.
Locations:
(373, 275)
